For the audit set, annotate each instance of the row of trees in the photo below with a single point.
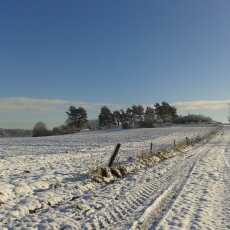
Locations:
(135, 116)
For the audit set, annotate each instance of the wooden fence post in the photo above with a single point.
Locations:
(115, 152)
(187, 141)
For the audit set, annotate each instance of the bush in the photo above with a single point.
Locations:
(125, 125)
(192, 118)
(146, 124)
(40, 130)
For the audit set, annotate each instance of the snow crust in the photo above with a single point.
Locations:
(44, 182)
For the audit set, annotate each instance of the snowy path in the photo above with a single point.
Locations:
(199, 203)
(188, 191)
(204, 200)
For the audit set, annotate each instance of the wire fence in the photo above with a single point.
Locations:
(125, 154)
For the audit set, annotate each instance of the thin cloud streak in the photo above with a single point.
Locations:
(35, 104)
(202, 105)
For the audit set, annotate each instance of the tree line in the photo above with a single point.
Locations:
(136, 116)
(15, 133)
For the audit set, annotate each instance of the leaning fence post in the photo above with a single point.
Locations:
(115, 152)
(187, 141)
(174, 143)
(151, 147)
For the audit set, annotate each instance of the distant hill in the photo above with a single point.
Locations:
(15, 133)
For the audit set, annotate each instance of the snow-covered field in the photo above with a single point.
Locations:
(44, 183)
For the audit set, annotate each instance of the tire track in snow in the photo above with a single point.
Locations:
(198, 206)
(226, 200)
(124, 212)
(156, 211)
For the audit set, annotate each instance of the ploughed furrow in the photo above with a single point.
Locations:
(121, 213)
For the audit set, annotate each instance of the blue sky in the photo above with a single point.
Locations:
(112, 52)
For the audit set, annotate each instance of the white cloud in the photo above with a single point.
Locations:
(202, 105)
(35, 104)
